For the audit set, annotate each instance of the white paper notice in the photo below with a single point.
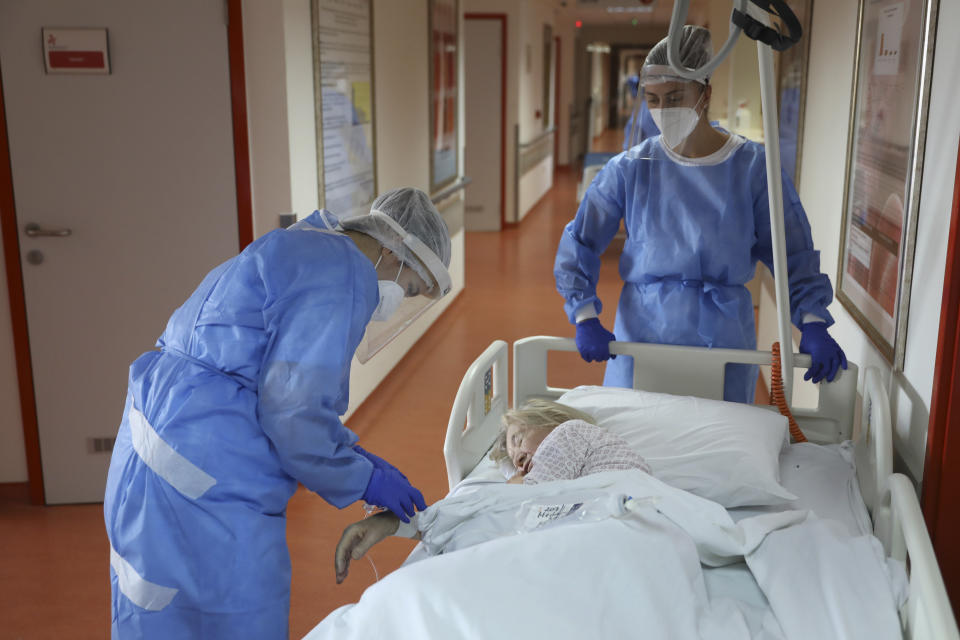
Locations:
(346, 78)
(889, 29)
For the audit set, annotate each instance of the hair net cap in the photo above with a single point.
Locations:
(410, 211)
(696, 49)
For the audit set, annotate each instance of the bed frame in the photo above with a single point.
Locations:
(890, 498)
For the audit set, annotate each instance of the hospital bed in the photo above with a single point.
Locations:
(889, 498)
(430, 596)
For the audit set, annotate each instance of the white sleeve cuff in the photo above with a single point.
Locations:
(585, 312)
(809, 317)
(408, 529)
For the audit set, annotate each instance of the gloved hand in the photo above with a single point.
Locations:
(388, 488)
(826, 354)
(593, 341)
(378, 462)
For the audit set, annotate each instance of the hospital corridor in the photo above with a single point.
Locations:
(479, 318)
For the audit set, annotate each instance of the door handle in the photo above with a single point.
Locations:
(34, 231)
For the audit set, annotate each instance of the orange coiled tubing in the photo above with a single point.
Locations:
(776, 394)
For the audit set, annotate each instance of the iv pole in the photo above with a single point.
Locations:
(771, 137)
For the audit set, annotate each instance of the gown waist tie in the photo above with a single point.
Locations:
(243, 382)
(693, 283)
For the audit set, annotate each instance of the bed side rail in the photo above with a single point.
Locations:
(873, 447)
(899, 525)
(691, 371)
(475, 416)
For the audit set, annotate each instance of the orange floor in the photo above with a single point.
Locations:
(53, 568)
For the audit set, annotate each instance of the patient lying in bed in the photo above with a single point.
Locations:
(544, 441)
(540, 442)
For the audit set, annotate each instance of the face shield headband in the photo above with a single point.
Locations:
(437, 273)
(657, 73)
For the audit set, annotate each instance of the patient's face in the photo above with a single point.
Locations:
(522, 442)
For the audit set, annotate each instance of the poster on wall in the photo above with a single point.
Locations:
(792, 92)
(884, 167)
(343, 83)
(444, 56)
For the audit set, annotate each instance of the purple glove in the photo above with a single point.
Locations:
(378, 462)
(593, 341)
(389, 489)
(826, 354)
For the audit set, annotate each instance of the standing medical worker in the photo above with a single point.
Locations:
(694, 205)
(640, 124)
(242, 401)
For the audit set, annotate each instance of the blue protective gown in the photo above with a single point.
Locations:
(241, 402)
(694, 236)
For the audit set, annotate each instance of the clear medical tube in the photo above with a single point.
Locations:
(540, 514)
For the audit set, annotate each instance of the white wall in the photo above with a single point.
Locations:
(511, 9)
(821, 190)
(534, 14)
(13, 460)
(534, 184)
(563, 26)
(525, 20)
(265, 66)
(278, 58)
(301, 120)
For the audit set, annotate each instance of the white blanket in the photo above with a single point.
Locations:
(607, 572)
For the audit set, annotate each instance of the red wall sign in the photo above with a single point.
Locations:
(75, 51)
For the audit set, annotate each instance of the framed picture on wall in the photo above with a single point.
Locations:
(792, 92)
(444, 120)
(343, 88)
(891, 90)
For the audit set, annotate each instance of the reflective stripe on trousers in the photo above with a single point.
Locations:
(140, 591)
(180, 473)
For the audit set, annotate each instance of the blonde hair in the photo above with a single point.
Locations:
(534, 414)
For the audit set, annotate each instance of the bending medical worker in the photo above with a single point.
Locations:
(694, 203)
(242, 401)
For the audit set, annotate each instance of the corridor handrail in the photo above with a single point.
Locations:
(446, 192)
(537, 138)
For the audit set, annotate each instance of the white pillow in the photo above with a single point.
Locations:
(723, 451)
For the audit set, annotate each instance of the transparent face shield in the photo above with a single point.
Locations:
(424, 281)
(674, 110)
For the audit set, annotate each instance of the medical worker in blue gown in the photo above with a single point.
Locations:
(694, 204)
(640, 124)
(242, 401)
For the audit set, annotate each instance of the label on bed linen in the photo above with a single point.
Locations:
(541, 514)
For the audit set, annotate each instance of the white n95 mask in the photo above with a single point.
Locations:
(675, 123)
(391, 296)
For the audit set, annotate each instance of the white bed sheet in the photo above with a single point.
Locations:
(484, 585)
(823, 477)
